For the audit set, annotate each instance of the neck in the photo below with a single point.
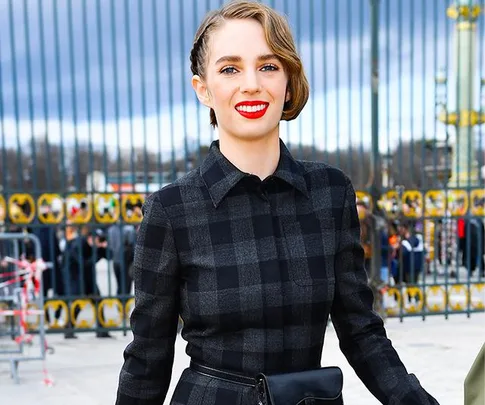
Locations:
(259, 157)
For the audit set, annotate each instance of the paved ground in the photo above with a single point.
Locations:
(440, 352)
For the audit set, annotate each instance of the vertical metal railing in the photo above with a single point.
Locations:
(96, 107)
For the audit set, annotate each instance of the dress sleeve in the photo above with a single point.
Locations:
(147, 369)
(360, 329)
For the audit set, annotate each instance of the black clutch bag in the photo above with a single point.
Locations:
(322, 386)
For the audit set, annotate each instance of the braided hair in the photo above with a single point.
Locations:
(198, 54)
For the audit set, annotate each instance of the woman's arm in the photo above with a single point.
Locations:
(147, 370)
(360, 330)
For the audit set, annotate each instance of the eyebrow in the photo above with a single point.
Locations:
(235, 59)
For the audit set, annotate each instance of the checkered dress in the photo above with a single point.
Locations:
(254, 268)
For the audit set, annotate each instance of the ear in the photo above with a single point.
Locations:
(288, 96)
(201, 90)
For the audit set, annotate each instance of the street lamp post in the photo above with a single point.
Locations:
(464, 118)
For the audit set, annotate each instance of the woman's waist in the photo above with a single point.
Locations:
(250, 364)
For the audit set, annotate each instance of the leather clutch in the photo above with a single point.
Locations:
(321, 386)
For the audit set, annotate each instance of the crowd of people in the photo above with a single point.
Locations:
(72, 253)
(74, 250)
(408, 250)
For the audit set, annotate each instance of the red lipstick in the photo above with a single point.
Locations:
(252, 109)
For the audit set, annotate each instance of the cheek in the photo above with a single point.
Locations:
(221, 95)
(279, 90)
(218, 89)
(280, 97)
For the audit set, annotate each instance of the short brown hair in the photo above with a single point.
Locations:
(280, 40)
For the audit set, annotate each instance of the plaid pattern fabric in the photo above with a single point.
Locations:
(254, 268)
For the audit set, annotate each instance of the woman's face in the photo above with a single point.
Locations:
(245, 83)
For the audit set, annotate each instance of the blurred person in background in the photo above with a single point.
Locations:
(365, 220)
(52, 276)
(411, 253)
(473, 246)
(83, 250)
(121, 243)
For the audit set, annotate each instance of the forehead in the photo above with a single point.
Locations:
(240, 37)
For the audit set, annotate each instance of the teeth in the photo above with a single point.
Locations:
(254, 108)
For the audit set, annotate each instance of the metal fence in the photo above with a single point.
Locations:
(21, 304)
(96, 112)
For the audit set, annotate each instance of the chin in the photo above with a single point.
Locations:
(253, 133)
(253, 130)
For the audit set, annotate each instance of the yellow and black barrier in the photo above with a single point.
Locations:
(477, 202)
(79, 209)
(50, 208)
(108, 208)
(21, 208)
(131, 207)
(84, 313)
(416, 300)
(434, 203)
(53, 321)
(3, 209)
(412, 203)
(110, 322)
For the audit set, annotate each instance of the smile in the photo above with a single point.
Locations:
(252, 109)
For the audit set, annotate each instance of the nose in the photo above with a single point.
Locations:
(250, 83)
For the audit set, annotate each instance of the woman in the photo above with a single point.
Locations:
(254, 249)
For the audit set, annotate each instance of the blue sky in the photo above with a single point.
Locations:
(144, 47)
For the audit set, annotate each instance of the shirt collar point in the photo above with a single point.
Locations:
(216, 202)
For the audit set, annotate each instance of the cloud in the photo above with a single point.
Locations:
(103, 47)
(152, 90)
(156, 133)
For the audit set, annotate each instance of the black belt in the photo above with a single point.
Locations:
(223, 375)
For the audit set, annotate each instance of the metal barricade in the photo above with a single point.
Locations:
(21, 302)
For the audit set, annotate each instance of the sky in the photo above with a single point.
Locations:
(117, 71)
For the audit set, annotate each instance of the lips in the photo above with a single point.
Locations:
(252, 109)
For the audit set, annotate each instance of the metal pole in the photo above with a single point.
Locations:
(376, 186)
(376, 178)
(375, 93)
(375, 159)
